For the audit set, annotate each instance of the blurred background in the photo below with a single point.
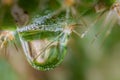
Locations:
(88, 58)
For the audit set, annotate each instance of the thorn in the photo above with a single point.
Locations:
(95, 37)
(77, 33)
(2, 45)
(83, 34)
(16, 47)
(5, 51)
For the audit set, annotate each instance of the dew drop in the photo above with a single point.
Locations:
(45, 54)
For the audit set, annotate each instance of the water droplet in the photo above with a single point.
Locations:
(44, 53)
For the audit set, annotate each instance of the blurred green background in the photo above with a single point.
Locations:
(99, 60)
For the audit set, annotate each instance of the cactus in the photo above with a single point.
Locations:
(47, 28)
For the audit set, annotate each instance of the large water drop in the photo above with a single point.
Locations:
(45, 53)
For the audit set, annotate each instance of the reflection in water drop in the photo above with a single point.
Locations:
(45, 54)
